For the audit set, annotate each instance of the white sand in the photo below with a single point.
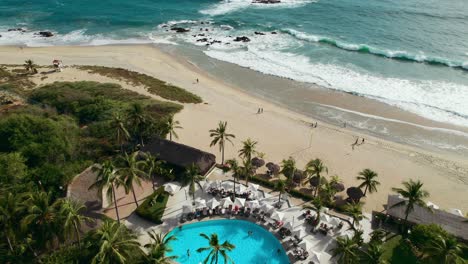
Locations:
(280, 133)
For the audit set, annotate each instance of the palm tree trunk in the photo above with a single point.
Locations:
(222, 155)
(9, 244)
(154, 183)
(365, 190)
(77, 234)
(279, 198)
(134, 196)
(234, 191)
(115, 202)
(170, 136)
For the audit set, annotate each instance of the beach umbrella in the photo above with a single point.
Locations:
(240, 188)
(200, 203)
(325, 218)
(239, 202)
(299, 232)
(432, 205)
(267, 208)
(339, 187)
(171, 188)
(252, 204)
(226, 202)
(288, 226)
(315, 257)
(253, 186)
(314, 181)
(354, 193)
(227, 185)
(456, 212)
(217, 184)
(212, 203)
(278, 216)
(258, 162)
(187, 209)
(306, 245)
(335, 221)
(274, 168)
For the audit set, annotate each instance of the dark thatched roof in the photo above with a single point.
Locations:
(355, 193)
(180, 155)
(258, 162)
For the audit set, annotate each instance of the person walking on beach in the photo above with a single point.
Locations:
(355, 143)
(362, 142)
(258, 111)
(198, 80)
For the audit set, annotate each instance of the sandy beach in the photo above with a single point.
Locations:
(281, 133)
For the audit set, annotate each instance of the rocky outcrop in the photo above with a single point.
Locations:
(242, 39)
(259, 33)
(45, 34)
(180, 29)
(17, 29)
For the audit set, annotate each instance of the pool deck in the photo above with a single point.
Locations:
(320, 243)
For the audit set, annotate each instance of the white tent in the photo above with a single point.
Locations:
(239, 202)
(315, 257)
(299, 232)
(171, 188)
(252, 204)
(432, 205)
(199, 203)
(253, 186)
(217, 184)
(240, 188)
(267, 208)
(187, 209)
(305, 245)
(212, 203)
(207, 185)
(456, 212)
(225, 202)
(335, 221)
(288, 225)
(278, 216)
(227, 185)
(325, 218)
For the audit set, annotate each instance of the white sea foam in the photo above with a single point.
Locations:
(228, 6)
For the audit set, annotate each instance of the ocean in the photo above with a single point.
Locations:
(411, 54)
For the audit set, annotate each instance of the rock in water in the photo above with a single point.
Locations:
(45, 34)
(180, 29)
(243, 39)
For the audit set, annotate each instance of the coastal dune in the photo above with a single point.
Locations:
(280, 132)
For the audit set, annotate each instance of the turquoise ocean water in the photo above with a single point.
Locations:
(410, 54)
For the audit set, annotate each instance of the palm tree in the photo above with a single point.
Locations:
(346, 250)
(368, 178)
(247, 170)
(30, 66)
(191, 178)
(280, 186)
(9, 205)
(236, 171)
(248, 149)
(414, 194)
(172, 125)
(216, 249)
(373, 255)
(152, 166)
(158, 248)
(355, 211)
(121, 132)
(132, 172)
(220, 136)
(107, 178)
(288, 168)
(41, 218)
(316, 205)
(138, 120)
(70, 212)
(315, 168)
(441, 250)
(113, 243)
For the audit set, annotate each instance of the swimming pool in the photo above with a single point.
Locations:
(261, 247)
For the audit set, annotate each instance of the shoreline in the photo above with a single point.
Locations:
(280, 132)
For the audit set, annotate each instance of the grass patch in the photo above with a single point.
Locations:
(14, 82)
(153, 207)
(154, 86)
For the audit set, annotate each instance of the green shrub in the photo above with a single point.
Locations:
(153, 207)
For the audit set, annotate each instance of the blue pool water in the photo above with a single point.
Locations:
(259, 248)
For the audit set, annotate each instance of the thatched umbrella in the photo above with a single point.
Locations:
(354, 193)
(258, 162)
(298, 176)
(274, 168)
(314, 181)
(339, 187)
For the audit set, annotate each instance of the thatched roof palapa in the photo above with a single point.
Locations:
(258, 162)
(274, 168)
(180, 155)
(354, 193)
